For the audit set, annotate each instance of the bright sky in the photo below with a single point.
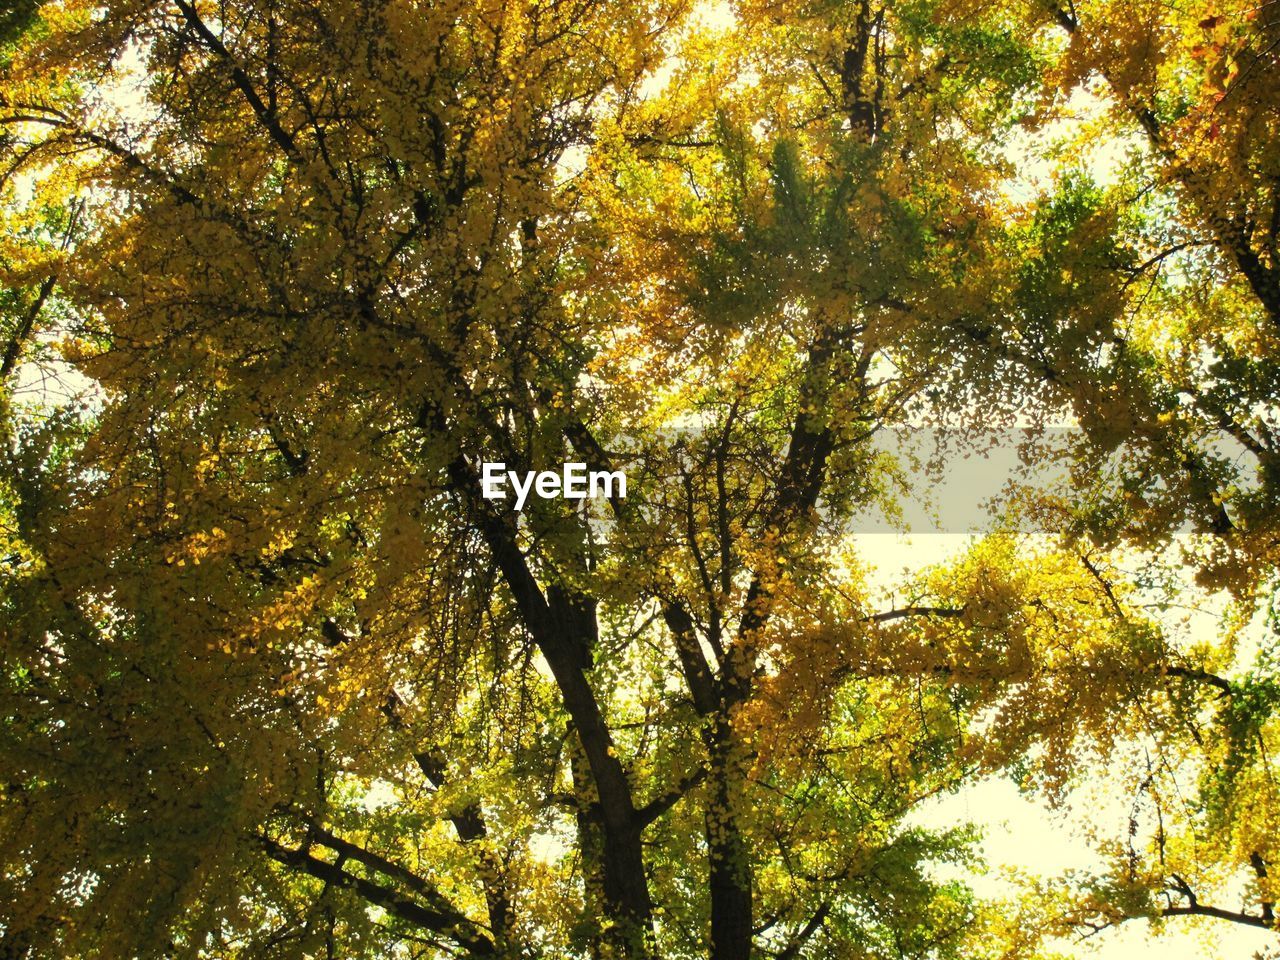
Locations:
(1022, 833)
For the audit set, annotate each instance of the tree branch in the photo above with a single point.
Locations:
(445, 921)
(266, 115)
(660, 804)
(913, 611)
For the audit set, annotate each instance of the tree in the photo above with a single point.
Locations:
(279, 681)
(1174, 265)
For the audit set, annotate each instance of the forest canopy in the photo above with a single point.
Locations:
(278, 278)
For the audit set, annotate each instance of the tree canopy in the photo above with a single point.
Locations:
(277, 681)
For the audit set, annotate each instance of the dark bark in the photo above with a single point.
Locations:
(469, 824)
(436, 918)
(1231, 232)
(586, 810)
(1201, 910)
(730, 869)
(798, 488)
(14, 349)
(557, 628)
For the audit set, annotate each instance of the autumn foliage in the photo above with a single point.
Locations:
(280, 275)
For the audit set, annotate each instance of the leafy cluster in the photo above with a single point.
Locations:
(276, 681)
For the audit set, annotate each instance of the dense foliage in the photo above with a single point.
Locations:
(280, 275)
